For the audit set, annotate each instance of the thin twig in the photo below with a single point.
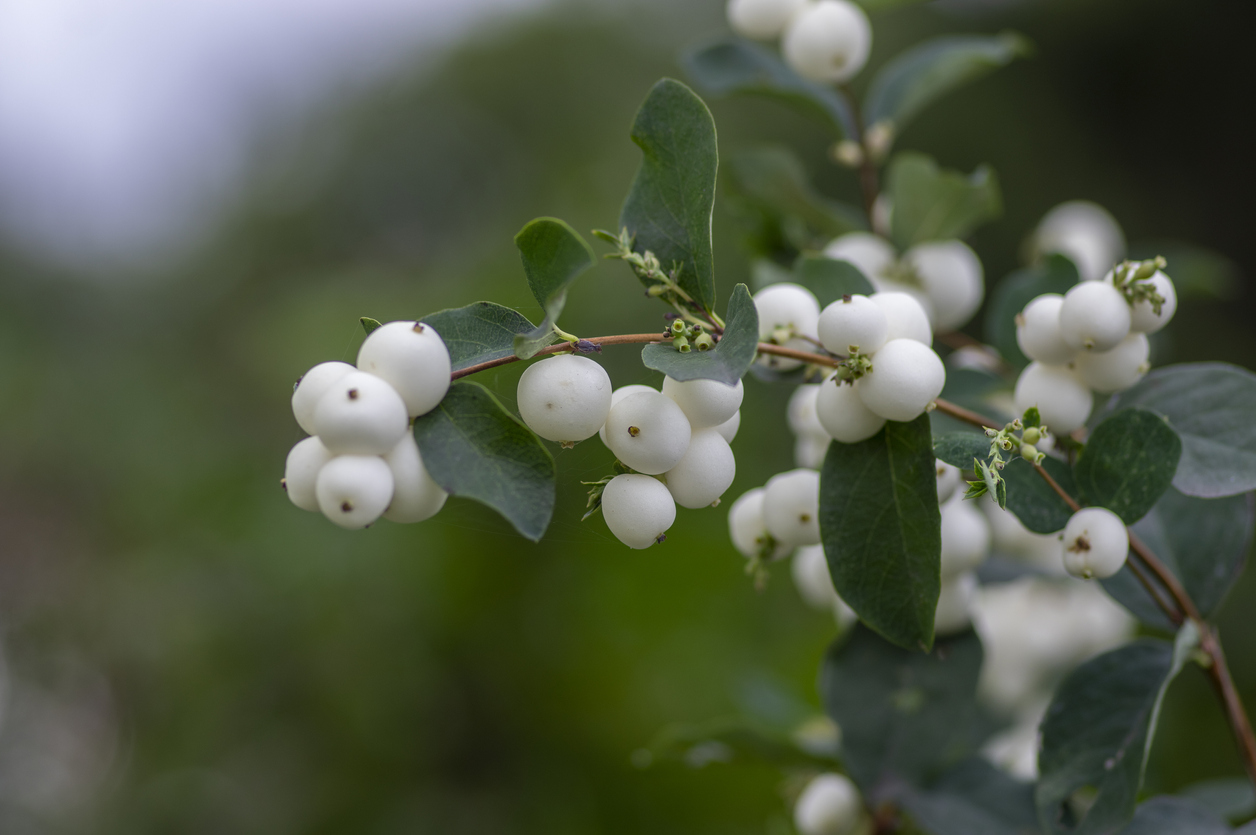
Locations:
(621, 339)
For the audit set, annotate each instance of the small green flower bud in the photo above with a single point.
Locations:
(704, 342)
(681, 344)
(1031, 435)
(1029, 452)
(678, 327)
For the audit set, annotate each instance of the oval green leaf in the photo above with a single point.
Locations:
(553, 255)
(479, 332)
(1128, 463)
(932, 204)
(830, 279)
(1168, 815)
(1056, 274)
(727, 361)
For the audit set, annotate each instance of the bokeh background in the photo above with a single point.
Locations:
(198, 201)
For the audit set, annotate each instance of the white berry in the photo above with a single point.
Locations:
(791, 507)
(810, 570)
(1083, 232)
(762, 19)
(361, 414)
(565, 398)
(955, 605)
(828, 41)
(787, 313)
(810, 450)
(871, 254)
(843, 414)
(829, 805)
(354, 490)
(300, 472)
(413, 358)
(951, 275)
(965, 537)
(415, 495)
(1094, 316)
(618, 395)
(1063, 401)
(728, 429)
(800, 413)
(706, 471)
(747, 529)
(311, 388)
(706, 403)
(906, 377)
(853, 324)
(906, 317)
(1143, 316)
(948, 481)
(1111, 371)
(648, 432)
(1095, 543)
(1038, 331)
(638, 509)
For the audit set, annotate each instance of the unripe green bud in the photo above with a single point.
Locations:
(704, 342)
(682, 344)
(678, 327)
(1031, 435)
(1029, 452)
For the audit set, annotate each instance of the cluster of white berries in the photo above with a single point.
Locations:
(1091, 339)
(676, 440)
(361, 461)
(822, 40)
(830, 804)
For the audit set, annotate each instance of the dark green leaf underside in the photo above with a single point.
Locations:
(1174, 816)
(1039, 507)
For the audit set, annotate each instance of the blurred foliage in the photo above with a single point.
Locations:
(189, 653)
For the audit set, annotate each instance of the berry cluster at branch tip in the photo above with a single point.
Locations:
(822, 40)
(361, 460)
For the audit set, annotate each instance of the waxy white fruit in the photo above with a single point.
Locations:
(843, 414)
(965, 537)
(853, 324)
(1108, 372)
(809, 450)
(800, 413)
(1038, 331)
(706, 403)
(747, 529)
(1085, 233)
(905, 316)
(728, 429)
(871, 254)
(565, 398)
(810, 571)
(1095, 543)
(706, 471)
(791, 507)
(638, 509)
(413, 359)
(648, 432)
(785, 309)
(415, 495)
(829, 805)
(828, 41)
(360, 414)
(1143, 316)
(948, 481)
(618, 395)
(952, 278)
(906, 377)
(354, 490)
(1063, 401)
(311, 388)
(1094, 317)
(762, 19)
(955, 605)
(300, 472)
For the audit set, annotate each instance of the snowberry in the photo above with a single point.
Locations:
(906, 376)
(706, 471)
(786, 309)
(1038, 331)
(638, 509)
(648, 432)
(1143, 317)
(829, 805)
(828, 41)
(1083, 232)
(1094, 316)
(618, 395)
(354, 490)
(965, 537)
(1063, 401)
(706, 403)
(565, 398)
(311, 388)
(762, 19)
(413, 358)
(1108, 372)
(728, 429)
(809, 450)
(361, 414)
(853, 324)
(952, 278)
(801, 411)
(871, 254)
(747, 529)
(791, 507)
(415, 495)
(955, 605)
(948, 480)
(1095, 543)
(300, 473)
(810, 570)
(843, 414)
(906, 316)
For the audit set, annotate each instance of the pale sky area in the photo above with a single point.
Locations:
(126, 124)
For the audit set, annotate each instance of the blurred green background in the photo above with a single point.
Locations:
(187, 652)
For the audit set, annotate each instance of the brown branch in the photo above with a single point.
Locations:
(620, 339)
(1219, 673)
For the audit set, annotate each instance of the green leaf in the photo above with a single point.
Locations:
(1174, 816)
(1055, 274)
(669, 207)
(727, 361)
(960, 448)
(768, 190)
(1038, 507)
(1210, 405)
(554, 255)
(881, 529)
(924, 73)
(1197, 272)
(734, 66)
(904, 715)
(1231, 798)
(1097, 734)
(479, 332)
(829, 279)
(1128, 463)
(369, 324)
(932, 204)
(974, 799)
(473, 447)
(733, 740)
